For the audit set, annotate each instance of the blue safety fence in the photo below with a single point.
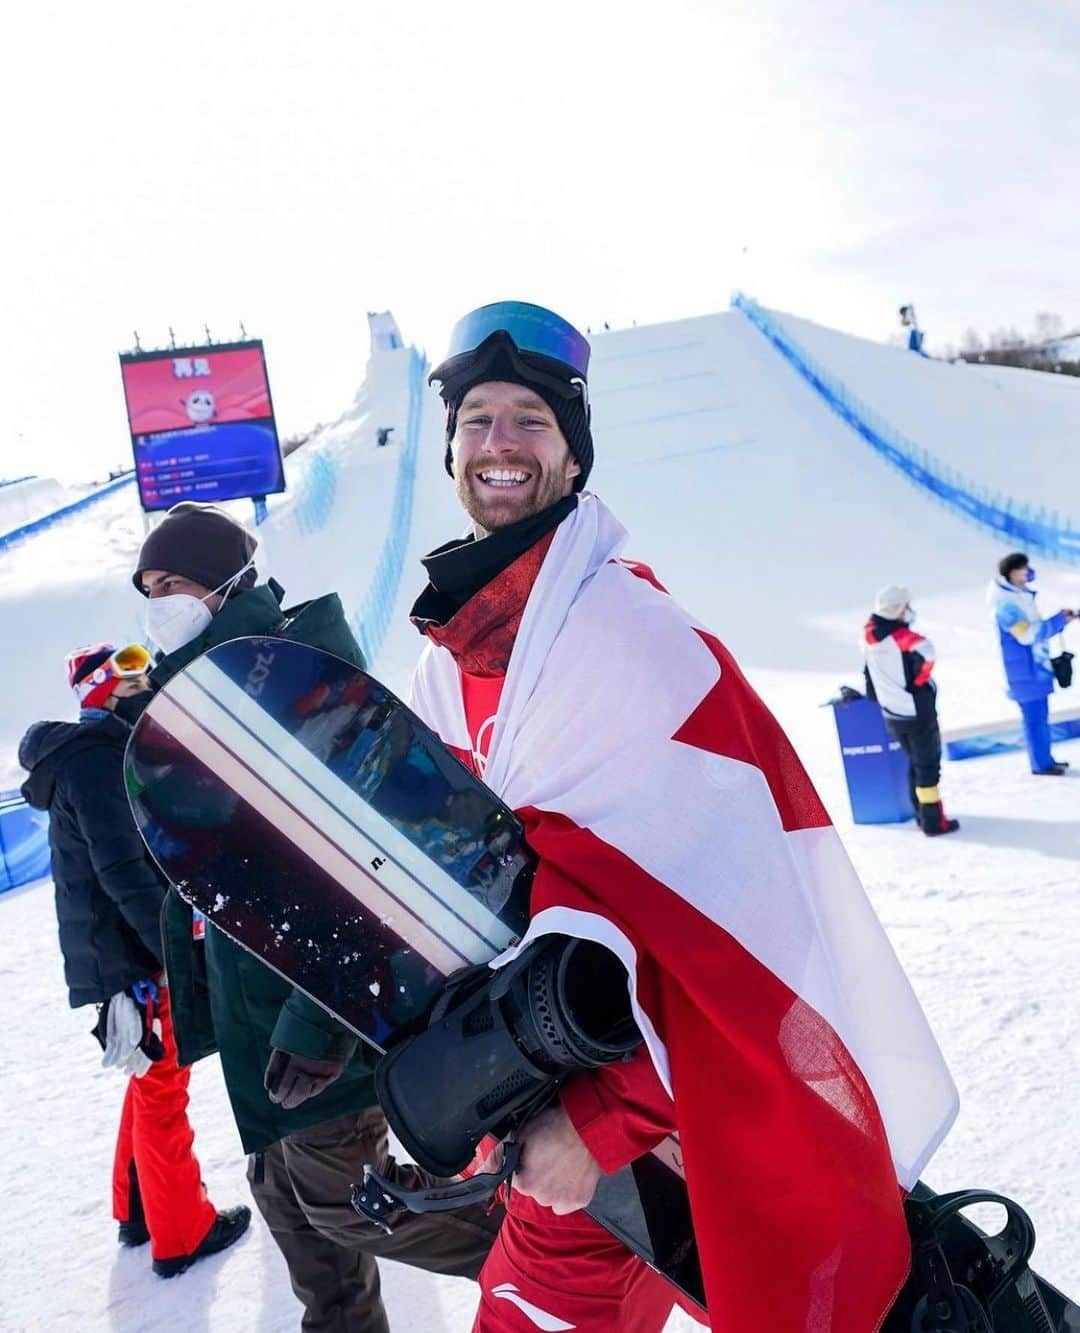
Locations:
(373, 619)
(14, 481)
(315, 492)
(1026, 527)
(65, 511)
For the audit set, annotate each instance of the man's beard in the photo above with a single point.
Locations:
(491, 508)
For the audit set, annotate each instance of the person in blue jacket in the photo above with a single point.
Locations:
(1025, 651)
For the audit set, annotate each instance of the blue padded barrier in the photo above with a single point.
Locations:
(1005, 737)
(24, 842)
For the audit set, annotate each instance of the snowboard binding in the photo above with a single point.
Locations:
(495, 1048)
(963, 1281)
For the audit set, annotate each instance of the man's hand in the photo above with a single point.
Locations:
(292, 1079)
(557, 1170)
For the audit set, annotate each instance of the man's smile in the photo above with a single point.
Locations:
(502, 476)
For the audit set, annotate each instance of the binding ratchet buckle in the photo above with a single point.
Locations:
(381, 1202)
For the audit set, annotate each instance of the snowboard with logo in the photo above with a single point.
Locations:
(313, 818)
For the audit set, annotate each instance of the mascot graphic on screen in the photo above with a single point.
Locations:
(200, 406)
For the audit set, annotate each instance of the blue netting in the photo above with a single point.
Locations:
(1027, 527)
(47, 520)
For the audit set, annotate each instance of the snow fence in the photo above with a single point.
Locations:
(373, 619)
(1028, 528)
(65, 511)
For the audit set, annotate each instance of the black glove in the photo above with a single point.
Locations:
(291, 1079)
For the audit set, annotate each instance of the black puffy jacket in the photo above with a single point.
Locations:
(108, 891)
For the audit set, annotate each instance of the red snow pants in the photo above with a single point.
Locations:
(155, 1137)
(551, 1272)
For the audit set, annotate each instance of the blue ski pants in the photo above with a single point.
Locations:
(1037, 733)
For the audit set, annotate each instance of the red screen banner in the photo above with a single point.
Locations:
(195, 387)
(202, 424)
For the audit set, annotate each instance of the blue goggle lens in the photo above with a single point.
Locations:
(533, 329)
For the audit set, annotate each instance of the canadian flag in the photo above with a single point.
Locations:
(675, 823)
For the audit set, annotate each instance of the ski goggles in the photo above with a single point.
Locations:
(540, 344)
(123, 664)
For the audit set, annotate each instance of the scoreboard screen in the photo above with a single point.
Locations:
(202, 424)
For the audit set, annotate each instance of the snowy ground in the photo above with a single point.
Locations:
(766, 516)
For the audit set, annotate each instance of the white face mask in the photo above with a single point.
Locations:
(173, 621)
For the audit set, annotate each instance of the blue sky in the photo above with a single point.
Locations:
(238, 161)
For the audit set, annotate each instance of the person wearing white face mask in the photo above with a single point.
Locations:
(301, 1091)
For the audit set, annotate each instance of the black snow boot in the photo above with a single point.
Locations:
(933, 820)
(229, 1226)
(133, 1232)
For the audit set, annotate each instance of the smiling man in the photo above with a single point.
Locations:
(512, 458)
(672, 823)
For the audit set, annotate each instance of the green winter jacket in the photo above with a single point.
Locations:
(223, 999)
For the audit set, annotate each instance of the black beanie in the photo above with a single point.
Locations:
(570, 413)
(202, 543)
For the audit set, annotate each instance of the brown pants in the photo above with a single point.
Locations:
(301, 1186)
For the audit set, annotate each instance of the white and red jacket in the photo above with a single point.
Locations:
(899, 663)
(674, 823)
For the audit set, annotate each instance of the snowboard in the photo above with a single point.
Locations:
(312, 817)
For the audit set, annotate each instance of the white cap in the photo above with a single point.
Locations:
(891, 600)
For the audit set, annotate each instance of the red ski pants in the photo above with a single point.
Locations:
(556, 1273)
(155, 1137)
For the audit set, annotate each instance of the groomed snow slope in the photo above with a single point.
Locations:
(774, 523)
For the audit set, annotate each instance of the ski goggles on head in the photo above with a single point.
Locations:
(539, 343)
(123, 664)
(1029, 574)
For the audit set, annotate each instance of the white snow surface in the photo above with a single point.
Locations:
(774, 523)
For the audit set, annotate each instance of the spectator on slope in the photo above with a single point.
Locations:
(915, 335)
(898, 666)
(108, 898)
(300, 1084)
(673, 821)
(1024, 638)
